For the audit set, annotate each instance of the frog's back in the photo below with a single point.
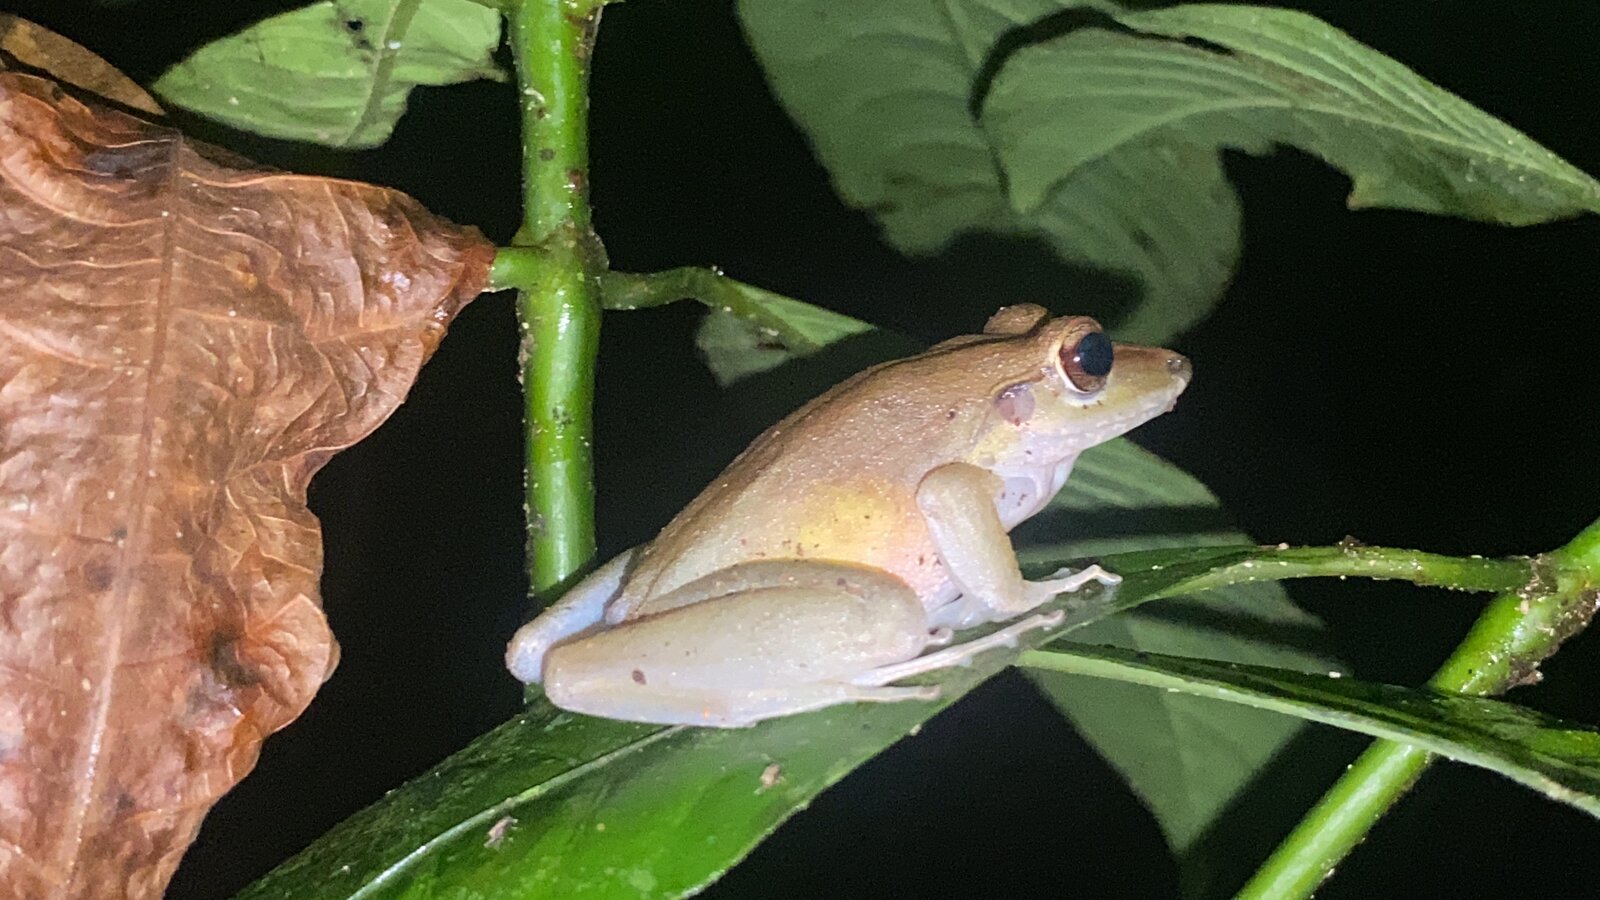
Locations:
(837, 478)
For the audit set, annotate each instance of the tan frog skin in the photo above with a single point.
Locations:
(853, 535)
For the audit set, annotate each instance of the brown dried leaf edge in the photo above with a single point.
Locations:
(182, 345)
(70, 63)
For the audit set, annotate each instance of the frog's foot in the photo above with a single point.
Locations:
(960, 654)
(1065, 581)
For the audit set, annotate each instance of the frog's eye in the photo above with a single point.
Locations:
(1087, 361)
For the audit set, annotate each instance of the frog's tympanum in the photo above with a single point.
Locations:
(854, 535)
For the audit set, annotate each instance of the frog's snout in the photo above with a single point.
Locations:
(1180, 367)
(1179, 370)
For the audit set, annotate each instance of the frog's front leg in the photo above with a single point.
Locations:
(750, 642)
(957, 501)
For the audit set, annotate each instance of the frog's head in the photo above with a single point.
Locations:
(1073, 387)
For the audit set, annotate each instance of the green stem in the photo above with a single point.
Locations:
(1517, 630)
(1345, 561)
(514, 267)
(558, 305)
(629, 290)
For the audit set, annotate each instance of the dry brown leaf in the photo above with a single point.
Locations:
(71, 63)
(182, 345)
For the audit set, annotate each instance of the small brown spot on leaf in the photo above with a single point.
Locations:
(226, 664)
(498, 831)
(98, 574)
(770, 776)
(638, 676)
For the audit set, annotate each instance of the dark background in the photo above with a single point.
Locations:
(1409, 380)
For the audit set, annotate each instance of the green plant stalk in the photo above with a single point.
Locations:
(631, 290)
(558, 304)
(1517, 631)
(1454, 573)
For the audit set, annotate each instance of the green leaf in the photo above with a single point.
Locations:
(337, 72)
(552, 804)
(1188, 759)
(1100, 133)
(1559, 759)
(1264, 76)
(885, 92)
(768, 332)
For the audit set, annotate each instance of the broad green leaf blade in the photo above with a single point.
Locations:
(1186, 758)
(337, 72)
(554, 805)
(1164, 215)
(763, 336)
(1264, 76)
(885, 92)
(1109, 166)
(1557, 758)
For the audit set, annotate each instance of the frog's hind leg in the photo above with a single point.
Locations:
(958, 655)
(757, 641)
(581, 608)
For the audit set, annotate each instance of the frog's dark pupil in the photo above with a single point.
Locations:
(1095, 355)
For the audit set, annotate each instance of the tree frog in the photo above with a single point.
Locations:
(854, 535)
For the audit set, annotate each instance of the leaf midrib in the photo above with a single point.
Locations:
(393, 34)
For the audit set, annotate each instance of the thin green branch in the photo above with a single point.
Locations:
(629, 290)
(514, 267)
(1350, 560)
(1518, 630)
(558, 277)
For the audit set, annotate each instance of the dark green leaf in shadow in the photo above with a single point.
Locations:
(737, 346)
(1557, 758)
(1187, 759)
(337, 72)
